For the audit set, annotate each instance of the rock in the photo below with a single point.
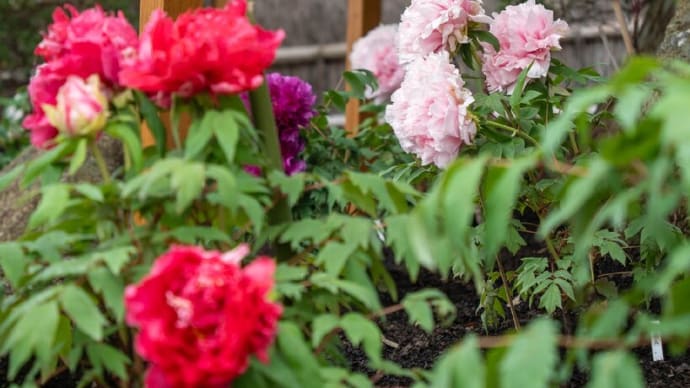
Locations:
(676, 43)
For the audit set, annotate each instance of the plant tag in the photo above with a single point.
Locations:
(657, 347)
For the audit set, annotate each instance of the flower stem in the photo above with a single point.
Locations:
(513, 131)
(100, 161)
(262, 111)
(175, 122)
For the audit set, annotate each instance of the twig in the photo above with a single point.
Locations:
(623, 26)
(509, 295)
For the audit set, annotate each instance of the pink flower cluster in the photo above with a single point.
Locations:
(376, 52)
(216, 50)
(201, 316)
(79, 45)
(429, 26)
(429, 113)
(527, 34)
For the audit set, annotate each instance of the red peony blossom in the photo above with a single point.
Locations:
(216, 50)
(201, 316)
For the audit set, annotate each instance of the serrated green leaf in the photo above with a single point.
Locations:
(502, 188)
(189, 180)
(115, 258)
(460, 367)
(298, 355)
(321, 327)
(360, 330)
(419, 313)
(131, 140)
(13, 262)
(460, 187)
(200, 135)
(227, 132)
(54, 199)
(615, 369)
(90, 191)
(292, 186)
(551, 299)
(531, 359)
(79, 156)
(108, 357)
(111, 288)
(334, 256)
(81, 308)
(34, 333)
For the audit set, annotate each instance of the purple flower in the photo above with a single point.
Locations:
(293, 106)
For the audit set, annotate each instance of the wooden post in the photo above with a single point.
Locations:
(362, 16)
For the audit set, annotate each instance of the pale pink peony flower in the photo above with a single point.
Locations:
(81, 109)
(376, 52)
(527, 34)
(429, 26)
(429, 113)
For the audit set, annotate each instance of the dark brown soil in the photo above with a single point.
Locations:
(414, 348)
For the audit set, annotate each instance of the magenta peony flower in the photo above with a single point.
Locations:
(376, 52)
(429, 113)
(201, 316)
(527, 34)
(429, 26)
(81, 109)
(293, 106)
(215, 50)
(81, 45)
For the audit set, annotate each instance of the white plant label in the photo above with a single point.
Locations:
(657, 347)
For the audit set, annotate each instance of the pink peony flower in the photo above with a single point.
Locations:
(81, 109)
(429, 113)
(92, 41)
(527, 34)
(81, 45)
(201, 316)
(429, 26)
(376, 52)
(215, 50)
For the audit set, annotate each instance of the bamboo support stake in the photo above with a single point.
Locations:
(362, 16)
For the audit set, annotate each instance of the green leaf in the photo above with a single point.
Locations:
(460, 367)
(114, 361)
(298, 355)
(79, 156)
(576, 195)
(531, 359)
(629, 106)
(292, 186)
(334, 256)
(189, 181)
(502, 188)
(9, 177)
(419, 312)
(616, 369)
(321, 327)
(13, 262)
(360, 330)
(154, 122)
(34, 333)
(81, 308)
(200, 135)
(116, 258)
(551, 299)
(516, 97)
(90, 191)
(54, 200)
(227, 132)
(460, 187)
(111, 288)
(486, 36)
(131, 140)
(37, 166)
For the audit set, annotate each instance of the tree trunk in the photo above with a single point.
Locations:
(676, 43)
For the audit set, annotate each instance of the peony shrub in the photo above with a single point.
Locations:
(178, 268)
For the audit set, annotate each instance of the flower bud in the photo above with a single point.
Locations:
(81, 109)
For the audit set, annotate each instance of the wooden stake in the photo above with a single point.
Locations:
(362, 16)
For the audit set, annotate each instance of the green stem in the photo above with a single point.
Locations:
(513, 131)
(262, 111)
(175, 123)
(100, 161)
